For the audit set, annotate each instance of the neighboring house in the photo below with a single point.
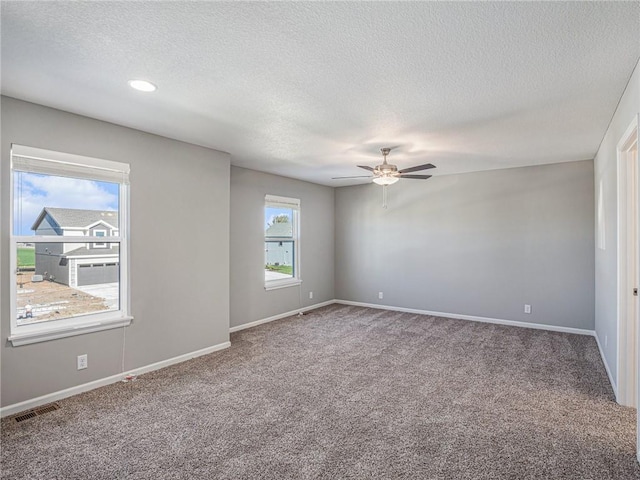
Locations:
(278, 250)
(77, 264)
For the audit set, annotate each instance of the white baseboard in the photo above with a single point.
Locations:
(85, 387)
(279, 316)
(511, 323)
(606, 366)
(52, 397)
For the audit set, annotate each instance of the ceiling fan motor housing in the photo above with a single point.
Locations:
(386, 169)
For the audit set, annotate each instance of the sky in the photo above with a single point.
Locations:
(33, 192)
(271, 212)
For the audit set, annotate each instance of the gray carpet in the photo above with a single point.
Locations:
(347, 392)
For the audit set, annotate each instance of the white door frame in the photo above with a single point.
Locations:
(628, 381)
(627, 341)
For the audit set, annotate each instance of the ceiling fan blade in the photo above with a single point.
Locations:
(419, 177)
(366, 167)
(418, 167)
(357, 176)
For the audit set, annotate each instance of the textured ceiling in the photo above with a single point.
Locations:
(310, 90)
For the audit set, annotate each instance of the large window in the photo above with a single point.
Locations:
(64, 281)
(281, 242)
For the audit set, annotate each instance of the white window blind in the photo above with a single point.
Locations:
(282, 202)
(48, 162)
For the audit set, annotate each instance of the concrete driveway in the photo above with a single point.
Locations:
(109, 291)
(269, 275)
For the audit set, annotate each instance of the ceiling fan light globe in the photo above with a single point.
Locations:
(385, 180)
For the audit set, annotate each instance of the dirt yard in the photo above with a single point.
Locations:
(51, 301)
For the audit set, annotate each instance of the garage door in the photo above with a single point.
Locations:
(96, 273)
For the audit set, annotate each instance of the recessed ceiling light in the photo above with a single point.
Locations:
(142, 85)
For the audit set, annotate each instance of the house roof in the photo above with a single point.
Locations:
(280, 230)
(77, 218)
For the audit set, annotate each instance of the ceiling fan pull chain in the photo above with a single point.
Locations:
(384, 196)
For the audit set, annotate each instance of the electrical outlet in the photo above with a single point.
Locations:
(83, 361)
(527, 308)
(380, 295)
(310, 294)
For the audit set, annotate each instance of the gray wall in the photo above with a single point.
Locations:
(249, 300)
(180, 304)
(480, 244)
(606, 171)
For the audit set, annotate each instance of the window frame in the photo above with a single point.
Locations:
(294, 204)
(35, 160)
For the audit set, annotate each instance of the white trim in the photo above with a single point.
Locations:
(95, 224)
(498, 321)
(280, 315)
(85, 387)
(512, 323)
(105, 255)
(626, 140)
(89, 226)
(62, 238)
(123, 250)
(95, 322)
(276, 284)
(601, 219)
(625, 301)
(606, 366)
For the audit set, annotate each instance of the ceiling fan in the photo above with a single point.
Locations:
(388, 174)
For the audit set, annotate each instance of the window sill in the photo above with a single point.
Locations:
(43, 335)
(276, 284)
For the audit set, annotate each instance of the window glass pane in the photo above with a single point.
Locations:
(60, 280)
(54, 205)
(278, 259)
(278, 222)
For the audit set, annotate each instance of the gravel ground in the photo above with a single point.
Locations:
(51, 301)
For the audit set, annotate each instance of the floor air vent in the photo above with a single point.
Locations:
(34, 412)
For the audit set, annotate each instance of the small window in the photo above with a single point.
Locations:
(281, 242)
(61, 284)
(99, 233)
